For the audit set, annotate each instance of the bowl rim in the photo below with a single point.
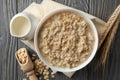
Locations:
(47, 16)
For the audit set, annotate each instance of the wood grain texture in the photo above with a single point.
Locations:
(10, 70)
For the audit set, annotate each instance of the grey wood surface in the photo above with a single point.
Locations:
(10, 70)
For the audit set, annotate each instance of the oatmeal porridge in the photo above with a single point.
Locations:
(66, 40)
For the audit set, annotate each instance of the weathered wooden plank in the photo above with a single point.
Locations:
(103, 9)
(7, 43)
(113, 68)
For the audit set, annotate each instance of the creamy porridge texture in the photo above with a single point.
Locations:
(66, 40)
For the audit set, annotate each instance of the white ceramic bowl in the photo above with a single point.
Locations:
(95, 46)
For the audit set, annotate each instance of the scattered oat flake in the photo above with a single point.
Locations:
(24, 79)
(33, 55)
